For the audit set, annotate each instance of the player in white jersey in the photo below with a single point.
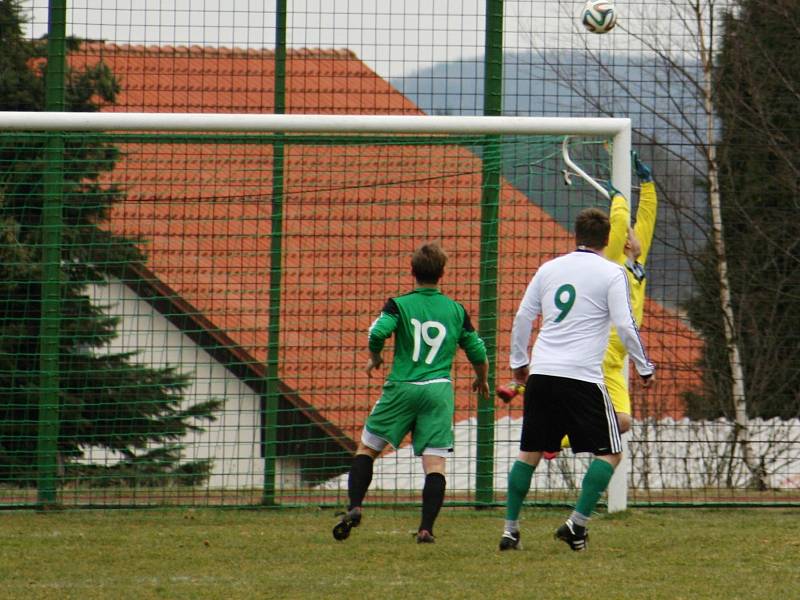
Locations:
(579, 296)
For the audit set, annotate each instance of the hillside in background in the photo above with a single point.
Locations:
(662, 108)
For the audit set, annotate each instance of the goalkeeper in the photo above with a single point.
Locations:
(629, 250)
(627, 246)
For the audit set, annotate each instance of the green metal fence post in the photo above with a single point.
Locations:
(270, 417)
(490, 201)
(50, 326)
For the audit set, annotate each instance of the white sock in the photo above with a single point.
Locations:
(512, 526)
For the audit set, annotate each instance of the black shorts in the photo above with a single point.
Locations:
(559, 406)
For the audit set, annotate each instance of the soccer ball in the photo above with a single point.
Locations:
(599, 16)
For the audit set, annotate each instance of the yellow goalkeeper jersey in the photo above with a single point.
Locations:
(615, 251)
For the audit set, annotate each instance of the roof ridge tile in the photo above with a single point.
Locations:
(223, 51)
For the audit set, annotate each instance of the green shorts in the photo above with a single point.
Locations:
(425, 410)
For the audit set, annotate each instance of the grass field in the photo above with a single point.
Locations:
(214, 553)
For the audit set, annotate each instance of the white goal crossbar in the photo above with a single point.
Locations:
(619, 129)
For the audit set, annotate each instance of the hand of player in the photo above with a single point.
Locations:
(508, 392)
(648, 380)
(520, 375)
(517, 385)
(643, 171)
(481, 386)
(612, 191)
(374, 362)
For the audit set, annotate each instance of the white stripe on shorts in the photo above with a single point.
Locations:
(443, 452)
(611, 417)
(370, 440)
(440, 380)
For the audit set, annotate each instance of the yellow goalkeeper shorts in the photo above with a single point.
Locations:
(618, 390)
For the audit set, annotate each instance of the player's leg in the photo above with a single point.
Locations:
(574, 531)
(541, 431)
(358, 480)
(432, 439)
(360, 475)
(593, 428)
(594, 483)
(617, 387)
(388, 423)
(432, 495)
(519, 483)
(625, 421)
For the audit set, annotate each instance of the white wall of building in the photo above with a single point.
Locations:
(232, 441)
(665, 454)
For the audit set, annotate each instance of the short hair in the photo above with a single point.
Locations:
(427, 263)
(592, 228)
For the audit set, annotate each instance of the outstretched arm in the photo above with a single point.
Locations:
(620, 218)
(648, 207)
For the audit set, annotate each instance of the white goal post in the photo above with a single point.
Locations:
(617, 129)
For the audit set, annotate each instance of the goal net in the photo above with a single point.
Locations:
(187, 297)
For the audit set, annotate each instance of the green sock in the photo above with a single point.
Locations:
(594, 484)
(519, 482)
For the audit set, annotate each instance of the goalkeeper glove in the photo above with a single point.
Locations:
(612, 191)
(644, 172)
(509, 391)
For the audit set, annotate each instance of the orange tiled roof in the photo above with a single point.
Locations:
(222, 80)
(352, 216)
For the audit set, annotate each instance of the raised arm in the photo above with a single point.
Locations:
(648, 207)
(620, 218)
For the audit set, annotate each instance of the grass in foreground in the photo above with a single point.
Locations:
(648, 554)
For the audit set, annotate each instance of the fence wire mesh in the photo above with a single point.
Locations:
(216, 289)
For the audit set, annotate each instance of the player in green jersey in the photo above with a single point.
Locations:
(418, 395)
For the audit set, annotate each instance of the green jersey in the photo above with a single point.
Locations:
(428, 328)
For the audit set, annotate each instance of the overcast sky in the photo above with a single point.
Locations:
(394, 37)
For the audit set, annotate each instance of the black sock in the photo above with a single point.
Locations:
(432, 499)
(359, 479)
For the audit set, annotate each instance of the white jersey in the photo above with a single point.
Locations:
(579, 295)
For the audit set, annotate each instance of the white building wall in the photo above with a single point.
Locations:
(664, 454)
(232, 441)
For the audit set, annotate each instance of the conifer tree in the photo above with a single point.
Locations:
(107, 400)
(758, 86)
